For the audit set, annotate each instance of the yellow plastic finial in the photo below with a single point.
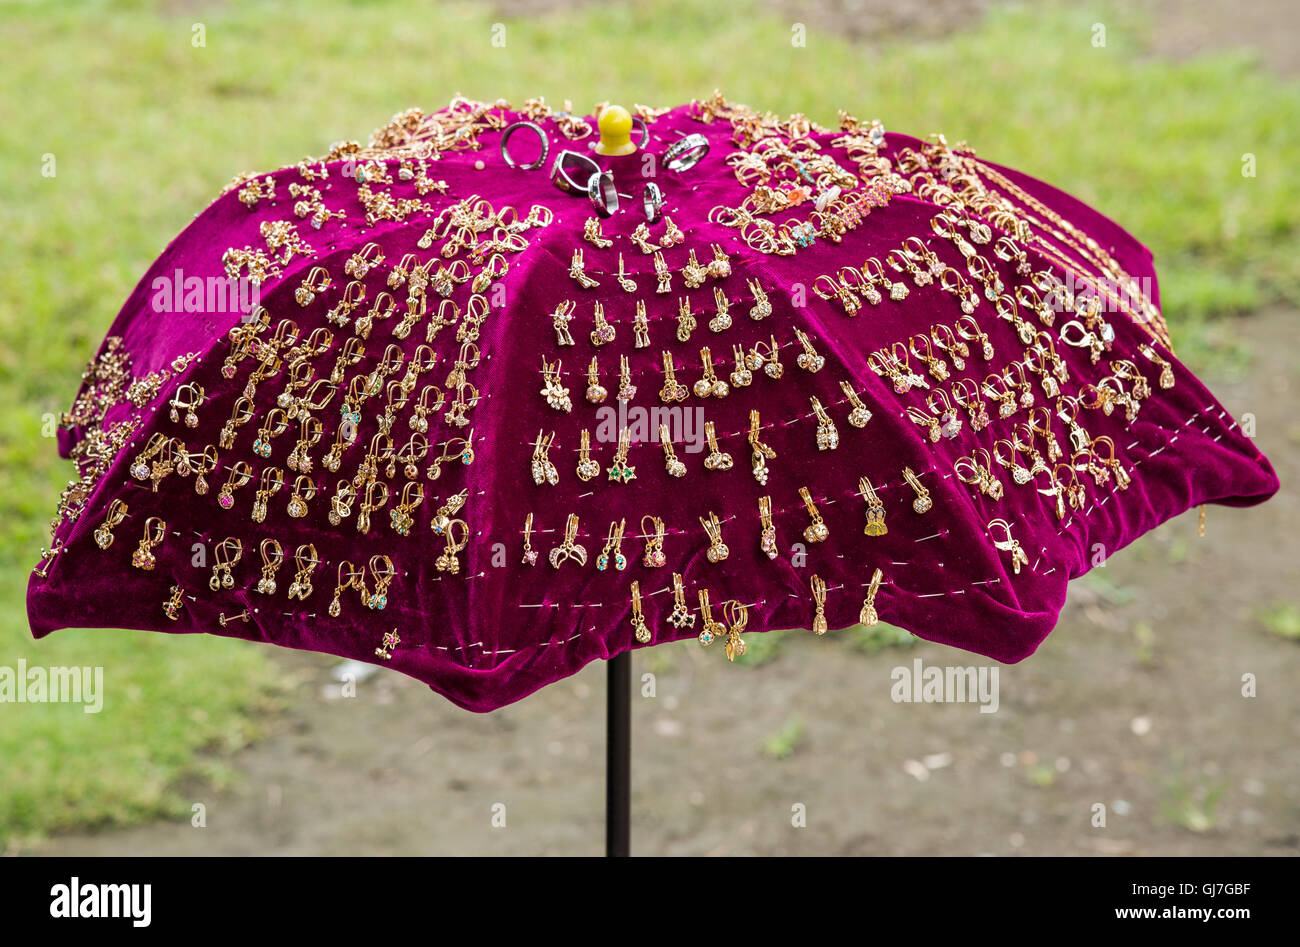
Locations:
(615, 131)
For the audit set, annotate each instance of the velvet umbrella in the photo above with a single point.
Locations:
(486, 414)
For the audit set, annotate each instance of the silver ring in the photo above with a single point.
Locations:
(602, 193)
(541, 136)
(645, 131)
(652, 201)
(686, 154)
(560, 172)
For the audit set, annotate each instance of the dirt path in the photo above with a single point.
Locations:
(1092, 718)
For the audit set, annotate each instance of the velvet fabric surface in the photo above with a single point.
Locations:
(500, 629)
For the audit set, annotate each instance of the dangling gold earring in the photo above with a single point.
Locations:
(875, 509)
(104, 532)
(681, 617)
(587, 468)
(639, 627)
(717, 550)
(717, 459)
(767, 535)
(816, 531)
(819, 626)
(674, 466)
(868, 614)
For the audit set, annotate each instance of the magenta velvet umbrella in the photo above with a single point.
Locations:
(485, 414)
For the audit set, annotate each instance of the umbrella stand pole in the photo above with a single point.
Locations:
(618, 755)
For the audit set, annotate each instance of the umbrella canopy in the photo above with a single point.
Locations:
(485, 414)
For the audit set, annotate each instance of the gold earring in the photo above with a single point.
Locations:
(271, 481)
(442, 517)
(828, 437)
(242, 472)
(619, 471)
(1166, 369)
(1018, 556)
(577, 271)
(710, 627)
(626, 390)
(390, 641)
(741, 377)
(922, 503)
(227, 553)
(717, 550)
(710, 384)
(930, 423)
(640, 236)
(672, 236)
(641, 326)
(809, 360)
(543, 470)
(673, 390)
(693, 274)
(155, 531)
(737, 616)
(401, 517)
(104, 532)
(172, 607)
(591, 233)
(613, 551)
(553, 390)
(722, 320)
(336, 606)
(298, 502)
(628, 285)
(762, 307)
(685, 319)
(384, 573)
(875, 509)
(717, 459)
(530, 554)
(674, 466)
(819, 601)
(761, 453)
(681, 616)
(639, 628)
(720, 266)
(654, 557)
(560, 320)
(860, 413)
(568, 547)
(306, 559)
(369, 504)
(587, 468)
(272, 558)
(868, 614)
(663, 275)
(767, 536)
(816, 531)
(604, 332)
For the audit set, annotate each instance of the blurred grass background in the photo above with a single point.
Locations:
(145, 129)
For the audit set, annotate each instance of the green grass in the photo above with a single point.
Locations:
(145, 129)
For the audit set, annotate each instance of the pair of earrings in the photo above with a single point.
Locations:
(542, 469)
(383, 571)
(227, 555)
(402, 516)
(612, 554)
(188, 398)
(736, 615)
(306, 559)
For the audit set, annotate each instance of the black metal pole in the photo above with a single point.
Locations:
(618, 756)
